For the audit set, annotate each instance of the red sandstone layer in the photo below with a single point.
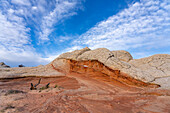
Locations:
(94, 68)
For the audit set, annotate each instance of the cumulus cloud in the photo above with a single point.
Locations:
(143, 25)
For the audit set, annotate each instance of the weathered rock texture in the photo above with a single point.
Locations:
(158, 66)
(123, 55)
(73, 55)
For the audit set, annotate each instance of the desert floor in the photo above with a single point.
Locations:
(80, 93)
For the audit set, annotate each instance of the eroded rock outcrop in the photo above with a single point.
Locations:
(3, 65)
(88, 81)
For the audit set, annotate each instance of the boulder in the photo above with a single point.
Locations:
(21, 65)
(123, 55)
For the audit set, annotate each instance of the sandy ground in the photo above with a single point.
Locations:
(78, 93)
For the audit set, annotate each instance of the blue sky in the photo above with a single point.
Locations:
(34, 32)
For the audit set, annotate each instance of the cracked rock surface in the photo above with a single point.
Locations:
(158, 66)
(123, 55)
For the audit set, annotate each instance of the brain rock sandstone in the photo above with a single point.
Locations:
(123, 55)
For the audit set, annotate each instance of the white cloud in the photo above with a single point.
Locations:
(73, 48)
(21, 2)
(11, 11)
(63, 9)
(34, 8)
(19, 56)
(51, 57)
(15, 43)
(15, 18)
(43, 15)
(13, 33)
(143, 25)
(63, 38)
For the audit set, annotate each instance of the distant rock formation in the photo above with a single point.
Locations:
(3, 65)
(21, 65)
